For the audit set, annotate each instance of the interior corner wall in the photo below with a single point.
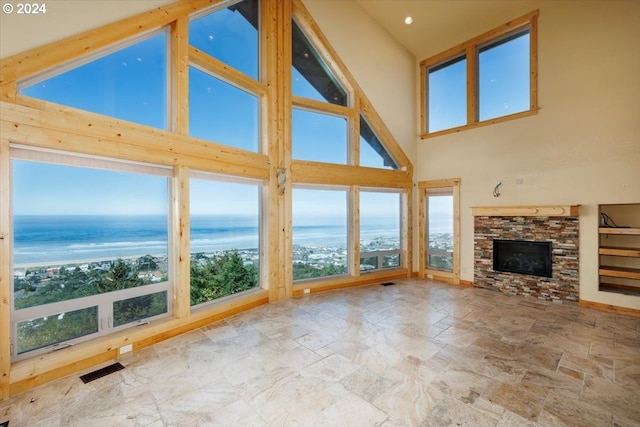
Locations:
(583, 146)
(372, 56)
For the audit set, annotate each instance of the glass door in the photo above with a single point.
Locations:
(439, 232)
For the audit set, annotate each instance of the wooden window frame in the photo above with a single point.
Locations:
(350, 242)
(450, 186)
(104, 301)
(262, 241)
(81, 61)
(470, 49)
(401, 253)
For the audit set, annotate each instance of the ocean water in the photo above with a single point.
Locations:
(77, 237)
(43, 239)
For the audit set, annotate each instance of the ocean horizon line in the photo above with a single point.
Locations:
(44, 239)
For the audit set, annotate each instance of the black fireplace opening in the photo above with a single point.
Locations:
(523, 257)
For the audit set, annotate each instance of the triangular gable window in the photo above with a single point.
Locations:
(128, 84)
(311, 76)
(230, 35)
(372, 152)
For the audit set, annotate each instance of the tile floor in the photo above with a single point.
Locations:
(418, 353)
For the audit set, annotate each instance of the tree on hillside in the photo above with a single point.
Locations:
(306, 271)
(120, 276)
(223, 275)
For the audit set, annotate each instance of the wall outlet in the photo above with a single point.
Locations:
(307, 291)
(126, 349)
(429, 276)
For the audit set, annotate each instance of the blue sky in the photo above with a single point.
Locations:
(129, 85)
(50, 189)
(212, 198)
(440, 214)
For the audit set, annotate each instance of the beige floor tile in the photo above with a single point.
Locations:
(611, 396)
(330, 369)
(367, 384)
(489, 408)
(418, 353)
(238, 413)
(457, 337)
(628, 375)
(561, 411)
(568, 344)
(557, 382)
(346, 410)
(409, 401)
(539, 355)
(510, 419)
(516, 399)
(452, 412)
(463, 385)
(587, 366)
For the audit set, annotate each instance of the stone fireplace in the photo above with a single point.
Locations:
(533, 226)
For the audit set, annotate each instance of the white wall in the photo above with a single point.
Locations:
(583, 147)
(63, 18)
(383, 68)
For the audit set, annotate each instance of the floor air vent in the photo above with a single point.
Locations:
(91, 376)
(387, 284)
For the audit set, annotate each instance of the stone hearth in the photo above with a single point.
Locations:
(561, 231)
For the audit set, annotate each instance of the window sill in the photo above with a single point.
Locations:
(480, 124)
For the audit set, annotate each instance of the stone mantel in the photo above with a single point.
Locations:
(539, 210)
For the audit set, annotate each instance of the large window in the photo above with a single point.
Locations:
(380, 230)
(503, 76)
(90, 248)
(319, 137)
(222, 113)
(373, 153)
(316, 135)
(488, 79)
(320, 243)
(225, 235)
(312, 78)
(447, 101)
(224, 106)
(130, 84)
(230, 35)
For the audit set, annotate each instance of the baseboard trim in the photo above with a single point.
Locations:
(341, 283)
(610, 308)
(466, 282)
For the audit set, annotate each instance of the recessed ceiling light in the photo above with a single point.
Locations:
(408, 20)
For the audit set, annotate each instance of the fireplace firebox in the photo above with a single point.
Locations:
(523, 257)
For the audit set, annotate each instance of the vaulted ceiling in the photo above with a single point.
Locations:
(440, 24)
(437, 24)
